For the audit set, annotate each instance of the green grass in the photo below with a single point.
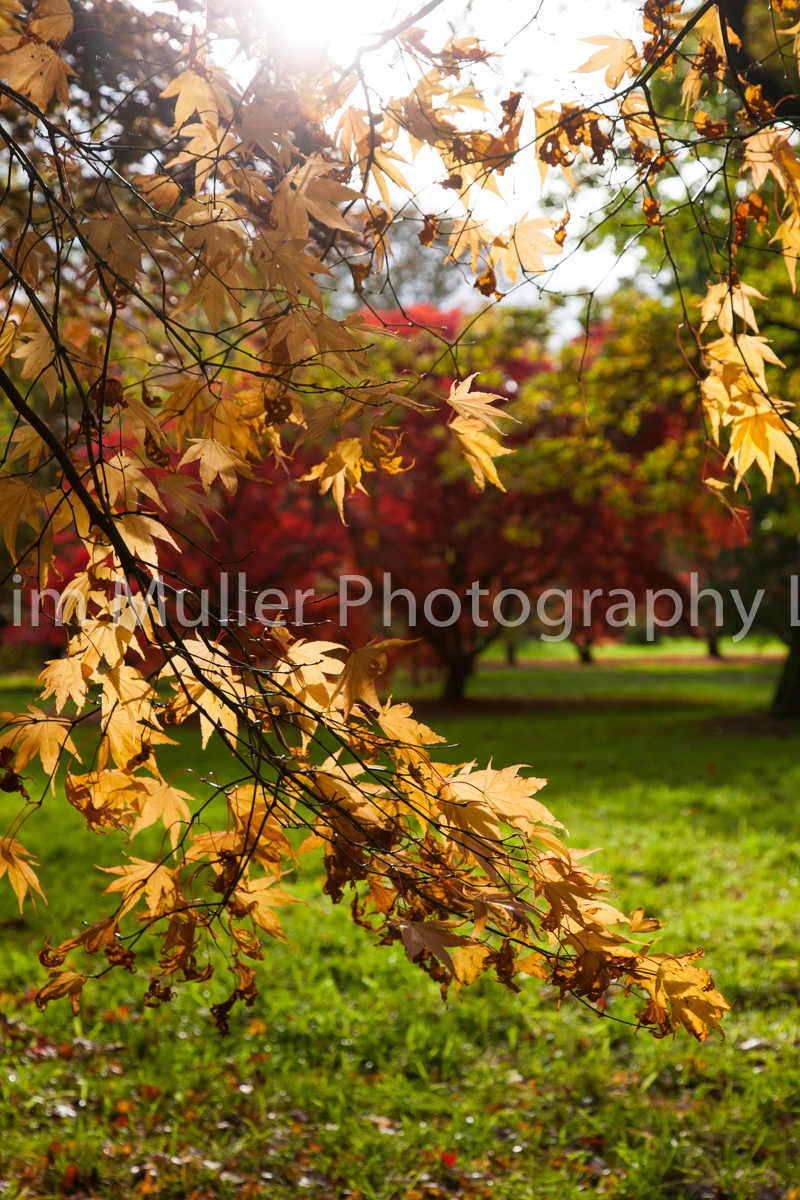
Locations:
(351, 1077)
(755, 645)
(648, 679)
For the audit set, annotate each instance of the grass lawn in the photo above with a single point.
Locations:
(351, 1078)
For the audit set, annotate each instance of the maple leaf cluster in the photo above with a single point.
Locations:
(169, 242)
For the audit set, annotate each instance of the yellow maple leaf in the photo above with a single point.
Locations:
(21, 876)
(259, 123)
(524, 246)
(193, 696)
(307, 664)
(408, 735)
(159, 190)
(618, 56)
(549, 134)
(746, 352)
(469, 962)
(788, 233)
(723, 301)
(34, 733)
(36, 70)
(361, 669)
(27, 442)
(306, 192)
(208, 94)
(508, 794)
(217, 459)
(39, 355)
(51, 20)
(63, 678)
(475, 405)
(680, 993)
(165, 803)
(259, 897)
(479, 449)
(113, 241)
(768, 152)
(106, 799)
(150, 880)
(758, 436)
(7, 338)
(18, 501)
(207, 149)
(533, 965)
(344, 465)
(469, 237)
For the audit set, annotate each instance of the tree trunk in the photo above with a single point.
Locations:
(585, 652)
(511, 653)
(786, 701)
(713, 644)
(458, 673)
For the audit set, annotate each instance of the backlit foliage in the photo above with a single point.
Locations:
(171, 232)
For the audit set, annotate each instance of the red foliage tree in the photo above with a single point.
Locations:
(587, 507)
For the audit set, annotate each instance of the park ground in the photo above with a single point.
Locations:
(350, 1077)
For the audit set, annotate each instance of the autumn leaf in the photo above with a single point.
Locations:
(27, 444)
(434, 937)
(475, 405)
(149, 880)
(37, 71)
(652, 210)
(469, 962)
(203, 92)
(344, 465)
(385, 452)
(51, 20)
(639, 923)
(680, 994)
(259, 897)
(216, 459)
(141, 533)
(524, 247)
(305, 192)
(508, 794)
(35, 733)
(106, 799)
(758, 436)
(165, 803)
(21, 876)
(618, 56)
(19, 500)
(361, 669)
(479, 450)
(745, 351)
(723, 301)
(533, 965)
(7, 338)
(60, 984)
(409, 736)
(63, 678)
(39, 355)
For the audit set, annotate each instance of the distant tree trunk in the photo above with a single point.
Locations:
(584, 649)
(713, 644)
(786, 701)
(511, 653)
(458, 672)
